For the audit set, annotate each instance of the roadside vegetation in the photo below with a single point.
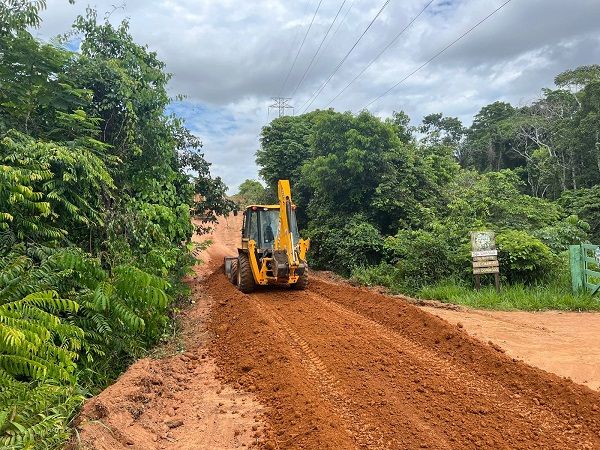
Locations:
(392, 204)
(95, 204)
(537, 297)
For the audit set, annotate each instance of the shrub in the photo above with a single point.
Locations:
(586, 204)
(357, 244)
(383, 274)
(524, 258)
(422, 257)
(36, 415)
(567, 232)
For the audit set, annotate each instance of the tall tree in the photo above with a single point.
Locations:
(488, 145)
(440, 130)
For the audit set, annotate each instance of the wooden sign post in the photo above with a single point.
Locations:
(485, 257)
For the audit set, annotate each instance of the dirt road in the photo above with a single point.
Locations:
(335, 367)
(565, 343)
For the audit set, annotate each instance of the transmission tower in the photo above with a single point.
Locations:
(281, 104)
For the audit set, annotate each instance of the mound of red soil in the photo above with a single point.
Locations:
(344, 367)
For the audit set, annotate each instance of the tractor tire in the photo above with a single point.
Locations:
(245, 278)
(302, 282)
(233, 275)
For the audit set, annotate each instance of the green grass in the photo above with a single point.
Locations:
(554, 296)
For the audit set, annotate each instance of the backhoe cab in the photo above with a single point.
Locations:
(271, 251)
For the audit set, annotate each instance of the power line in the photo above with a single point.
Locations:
(392, 42)
(318, 91)
(319, 48)
(300, 48)
(337, 29)
(297, 34)
(438, 53)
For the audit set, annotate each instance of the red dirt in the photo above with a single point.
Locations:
(565, 343)
(336, 367)
(178, 401)
(343, 367)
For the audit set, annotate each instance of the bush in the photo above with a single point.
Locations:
(383, 274)
(524, 258)
(357, 244)
(37, 414)
(567, 232)
(422, 257)
(586, 204)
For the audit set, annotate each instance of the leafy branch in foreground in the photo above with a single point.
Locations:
(48, 335)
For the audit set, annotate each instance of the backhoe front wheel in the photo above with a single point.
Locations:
(302, 282)
(245, 279)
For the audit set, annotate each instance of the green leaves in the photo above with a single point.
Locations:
(29, 331)
(36, 414)
(251, 192)
(341, 249)
(284, 148)
(59, 311)
(97, 186)
(524, 258)
(494, 200)
(45, 187)
(18, 14)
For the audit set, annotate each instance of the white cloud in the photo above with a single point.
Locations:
(230, 56)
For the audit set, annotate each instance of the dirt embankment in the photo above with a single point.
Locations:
(333, 367)
(565, 343)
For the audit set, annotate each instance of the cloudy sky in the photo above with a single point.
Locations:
(229, 57)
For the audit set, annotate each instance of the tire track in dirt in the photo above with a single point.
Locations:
(328, 384)
(253, 336)
(435, 371)
(350, 411)
(526, 389)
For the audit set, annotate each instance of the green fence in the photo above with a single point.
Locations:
(585, 267)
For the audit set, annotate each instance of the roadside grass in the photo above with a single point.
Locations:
(553, 296)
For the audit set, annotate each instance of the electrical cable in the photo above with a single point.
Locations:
(437, 54)
(318, 49)
(297, 34)
(318, 91)
(392, 42)
(300, 48)
(337, 29)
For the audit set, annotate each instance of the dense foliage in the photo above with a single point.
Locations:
(251, 192)
(97, 188)
(393, 204)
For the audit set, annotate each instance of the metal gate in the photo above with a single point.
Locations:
(585, 267)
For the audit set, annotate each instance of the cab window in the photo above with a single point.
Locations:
(252, 226)
(269, 227)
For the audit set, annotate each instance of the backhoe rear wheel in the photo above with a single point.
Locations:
(302, 282)
(245, 279)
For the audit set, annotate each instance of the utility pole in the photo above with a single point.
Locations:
(281, 104)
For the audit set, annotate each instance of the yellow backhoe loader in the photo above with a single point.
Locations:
(271, 251)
